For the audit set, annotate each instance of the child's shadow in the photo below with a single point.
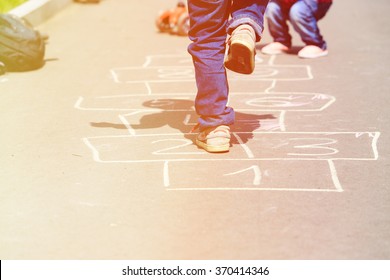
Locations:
(180, 115)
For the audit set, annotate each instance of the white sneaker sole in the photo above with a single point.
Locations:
(242, 57)
(321, 54)
(212, 148)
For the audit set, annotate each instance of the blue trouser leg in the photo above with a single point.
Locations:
(209, 21)
(277, 17)
(248, 12)
(304, 16)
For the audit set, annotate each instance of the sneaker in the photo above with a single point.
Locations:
(312, 52)
(214, 139)
(240, 57)
(275, 48)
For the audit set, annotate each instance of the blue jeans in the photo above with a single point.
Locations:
(209, 26)
(303, 16)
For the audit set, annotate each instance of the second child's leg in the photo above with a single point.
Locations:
(304, 16)
(303, 20)
(277, 17)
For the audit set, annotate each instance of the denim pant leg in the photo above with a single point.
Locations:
(208, 20)
(304, 16)
(277, 17)
(248, 12)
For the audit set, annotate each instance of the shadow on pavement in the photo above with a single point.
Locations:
(180, 115)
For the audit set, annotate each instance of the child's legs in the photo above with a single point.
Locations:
(303, 19)
(248, 12)
(277, 17)
(208, 35)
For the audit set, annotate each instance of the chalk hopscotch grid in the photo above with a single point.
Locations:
(147, 65)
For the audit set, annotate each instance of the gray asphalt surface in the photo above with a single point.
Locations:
(97, 159)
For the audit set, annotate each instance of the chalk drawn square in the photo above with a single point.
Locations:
(252, 176)
(171, 74)
(283, 101)
(313, 145)
(280, 101)
(152, 148)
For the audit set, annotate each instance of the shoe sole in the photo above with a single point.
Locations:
(325, 53)
(211, 148)
(242, 57)
(275, 49)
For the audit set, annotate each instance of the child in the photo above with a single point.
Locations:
(209, 26)
(303, 16)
